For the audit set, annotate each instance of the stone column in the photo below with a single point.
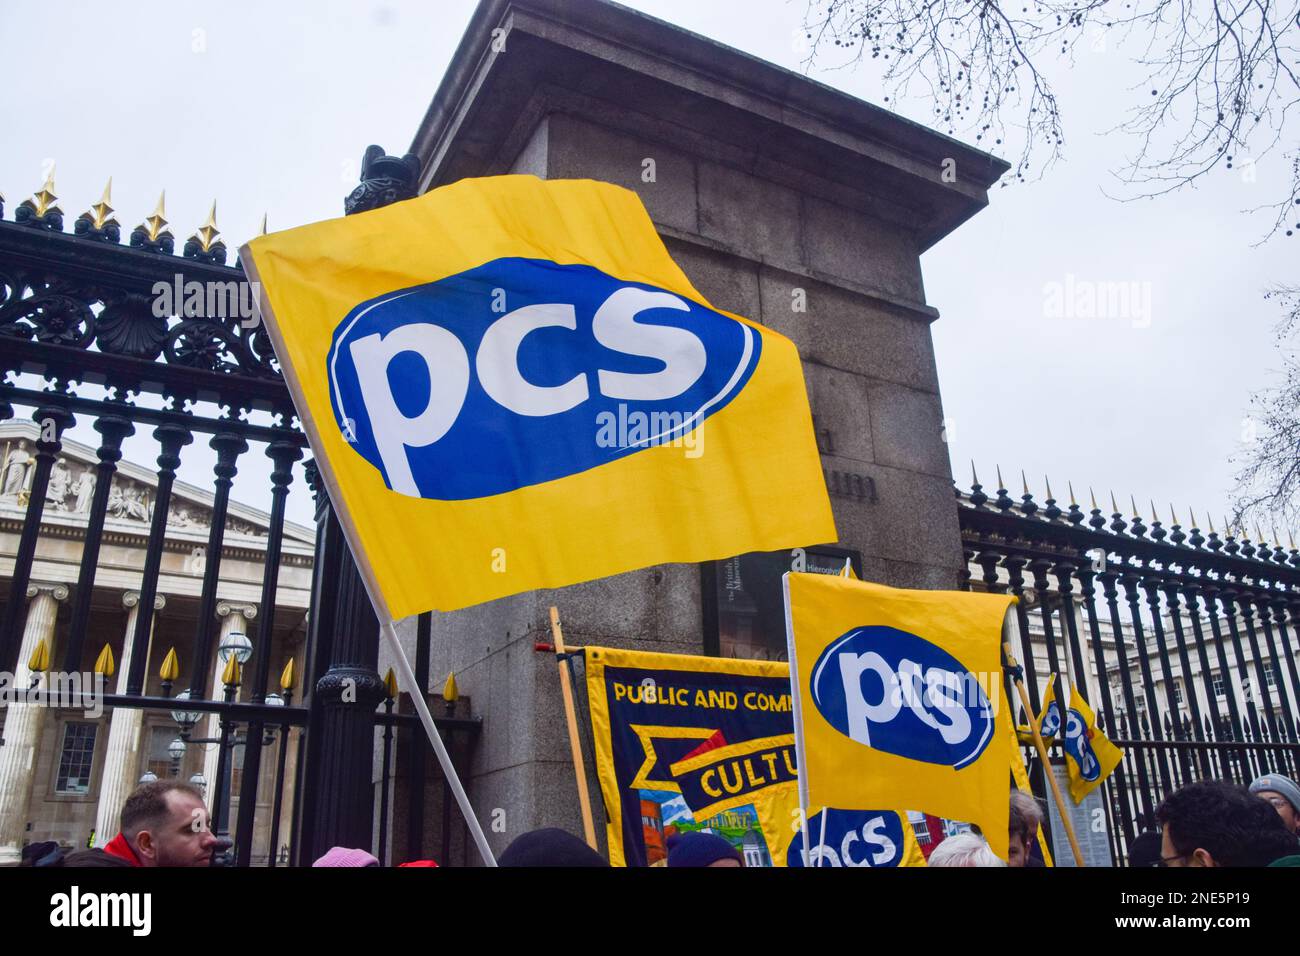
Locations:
(121, 758)
(24, 723)
(234, 617)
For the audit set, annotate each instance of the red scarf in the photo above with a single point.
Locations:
(119, 848)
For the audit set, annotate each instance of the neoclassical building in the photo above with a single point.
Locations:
(64, 772)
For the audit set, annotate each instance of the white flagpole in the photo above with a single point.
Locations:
(343, 511)
(407, 678)
(821, 837)
(798, 720)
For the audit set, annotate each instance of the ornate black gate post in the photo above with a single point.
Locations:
(338, 799)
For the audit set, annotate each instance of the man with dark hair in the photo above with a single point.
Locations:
(1213, 823)
(1025, 818)
(163, 823)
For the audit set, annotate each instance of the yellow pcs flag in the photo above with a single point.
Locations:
(508, 384)
(1090, 757)
(897, 699)
(1049, 721)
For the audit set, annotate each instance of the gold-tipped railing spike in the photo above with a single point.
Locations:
(231, 673)
(390, 684)
(974, 478)
(39, 661)
(1023, 482)
(171, 667)
(287, 677)
(1001, 483)
(1114, 508)
(101, 213)
(450, 692)
(206, 236)
(1210, 519)
(156, 225)
(1070, 486)
(1192, 514)
(44, 200)
(263, 230)
(1227, 528)
(1049, 487)
(1093, 498)
(104, 663)
(1291, 538)
(1154, 516)
(1172, 513)
(1133, 502)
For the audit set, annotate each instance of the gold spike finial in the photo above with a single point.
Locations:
(1070, 485)
(231, 674)
(1133, 502)
(974, 478)
(390, 684)
(1113, 507)
(1093, 498)
(1227, 528)
(1276, 542)
(156, 225)
(101, 213)
(286, 677)
(1172, 513)
(43, 200)
(1001, 483)
(1154, 517)
(171, 667)
(1290, 538)
(1210, 518)
(39, 662)
(206, 236)
(1023, 483)
(450, 692)
(1049, 487)
(263, 232)
(1258, 534)
(104, 663)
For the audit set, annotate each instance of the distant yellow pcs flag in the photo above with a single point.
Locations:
(1090, 757)
(508, 384)
(897, 699)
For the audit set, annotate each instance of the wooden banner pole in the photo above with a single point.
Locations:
(571, 717)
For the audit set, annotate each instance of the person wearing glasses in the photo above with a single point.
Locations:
(1283, 794)
(1213, 823)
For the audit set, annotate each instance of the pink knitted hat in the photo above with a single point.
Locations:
(342, 856)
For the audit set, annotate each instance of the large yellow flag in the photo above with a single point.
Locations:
(508, 384)
(1090, 757)
(897, 699)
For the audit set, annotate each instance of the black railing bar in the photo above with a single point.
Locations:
(154, 416)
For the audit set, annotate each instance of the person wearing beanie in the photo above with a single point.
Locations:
(1283, 793)
(343, 856)
(703, 849)
(549, 847)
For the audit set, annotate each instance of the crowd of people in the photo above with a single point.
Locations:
(1210, 823)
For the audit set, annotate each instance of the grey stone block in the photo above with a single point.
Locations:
(755, 217)
(849, 331)
(849, 244)
(840, 408)
(908, 429)
(581, 150)
(726, 282)
(532, 159)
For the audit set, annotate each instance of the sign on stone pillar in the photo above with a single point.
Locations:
(24, 722)
(122, 755)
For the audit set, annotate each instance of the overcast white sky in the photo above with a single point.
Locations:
(267, 107)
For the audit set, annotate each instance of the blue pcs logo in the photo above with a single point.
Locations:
(900, 694)
(1079, 746)
(852, 838)
(1051, 725)
(522, 371)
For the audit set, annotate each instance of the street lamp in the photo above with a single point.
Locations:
(148, 777)
(185, 719)
(238, 644)
(199, 782)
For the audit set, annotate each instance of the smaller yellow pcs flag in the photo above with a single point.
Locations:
(1090, 757)
(508, 384)
(897, 699)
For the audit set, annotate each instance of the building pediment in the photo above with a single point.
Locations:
(131, 498)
